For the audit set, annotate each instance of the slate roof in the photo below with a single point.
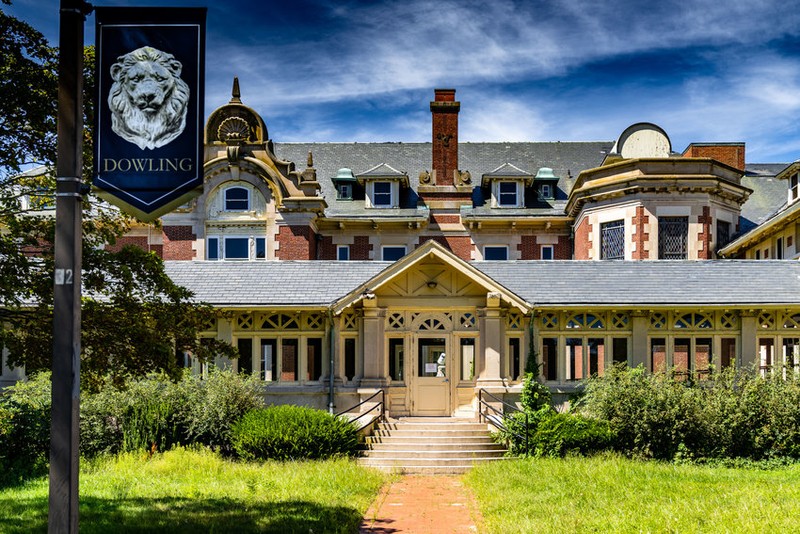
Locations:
(541, 283)
(567, 159)
(769, 194)
(271, 283)
(700, 283)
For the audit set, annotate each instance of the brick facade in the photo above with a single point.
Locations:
(361, 248)
(461, 246)
(442, 218)
(730, 153)
(137, 241)
(178, 243)
(444, 113)
(296, 243)
(582, 243)
(563, 249)
(528, 249)
(641, 237)
(704, 236)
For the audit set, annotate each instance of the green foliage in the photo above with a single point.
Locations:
(565, 433)
(293, 433)
(155, 413)
(534, 395)
(732, 415)
(25, 426)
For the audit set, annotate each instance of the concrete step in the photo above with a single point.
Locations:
(438, 433)
(424, 462)
(433, 427)
(427, 446)
(433, 454)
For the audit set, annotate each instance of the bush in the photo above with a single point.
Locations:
(25, 425)
(564, 433)
(155, 413)
(292, 433)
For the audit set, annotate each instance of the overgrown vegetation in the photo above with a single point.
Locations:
(733, 414)
(610, 493)
(292, 433)
(197, 490)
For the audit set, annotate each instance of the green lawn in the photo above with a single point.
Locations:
(612, 494)
(197, 491)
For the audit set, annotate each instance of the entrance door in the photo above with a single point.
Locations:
(432, 378)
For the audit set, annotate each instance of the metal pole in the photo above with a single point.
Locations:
(63, 499)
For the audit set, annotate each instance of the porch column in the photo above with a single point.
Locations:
(224, 333)
(749, 342)
(639, 324)
(492, 340)
(375, 368)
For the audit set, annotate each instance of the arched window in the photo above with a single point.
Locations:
(237, 199)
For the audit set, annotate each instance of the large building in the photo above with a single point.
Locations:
(433, 270)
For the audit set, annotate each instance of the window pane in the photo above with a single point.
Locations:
(723, 233)
(513, 356)
(396, 359)
(574, 358)
(382, 194)
(550, 358)
(508, 193)
(658, 355)
(349, 358)
(393, 253)
(237, 199)
(597, 356)
(547, 252)
(432, 360)
(791, 355)
(728, 356)
(313, 358)
(212, 250)
(237, 248)
(245, 346)
(766, 347)
(289, 360)
(495, 253)
(467, 358)
(673, 234)
(620, 348)
(268, 349)
(612, 240)
(261, 248)
(680, 356)
(343, 253)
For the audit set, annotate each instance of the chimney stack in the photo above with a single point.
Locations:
(444, 112)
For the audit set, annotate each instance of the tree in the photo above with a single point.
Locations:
(135, 319)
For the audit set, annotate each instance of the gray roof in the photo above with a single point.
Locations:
(769, 194)
(541, 283)
(567, 159)
(620, 283)
(271, 283)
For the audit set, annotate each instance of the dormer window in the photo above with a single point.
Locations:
(546, 191)
(345, 191)
(382, 194)
(237, 199)
(508, 194)
(383, 184)
(794, 187)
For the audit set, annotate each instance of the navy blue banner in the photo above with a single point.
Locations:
(149, 128)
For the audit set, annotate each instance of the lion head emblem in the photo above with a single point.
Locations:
(148, 99)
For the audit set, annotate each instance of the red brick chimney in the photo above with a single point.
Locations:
(728, 153)
(444, 111)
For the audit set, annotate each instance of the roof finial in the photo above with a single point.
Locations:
(235, 93)
(310, 161)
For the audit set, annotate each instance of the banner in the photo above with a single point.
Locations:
(148, 139)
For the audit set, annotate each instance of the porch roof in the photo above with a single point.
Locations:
(542, 283)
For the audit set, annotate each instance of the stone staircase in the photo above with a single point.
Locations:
(429, 445)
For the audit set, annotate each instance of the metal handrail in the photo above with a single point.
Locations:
(500, 423)
(381, 416)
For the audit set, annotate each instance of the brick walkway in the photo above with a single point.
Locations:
(423, 504)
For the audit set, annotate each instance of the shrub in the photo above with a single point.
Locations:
(25, 424)
(564, 433)
(292, 433)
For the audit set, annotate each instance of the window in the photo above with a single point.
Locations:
(619, 347)
(245, 361)
(779, 248)
(261, 248)
(289, 360)
(237, 199)
(514, 357)
(507, 194)
(382, 194)
(343, 252)
(396, 359)
(349, 358)
(345, 191)
(547, 252)
(728, 356)
(673, 236)
(658, 355)
(758, 254)
(550, 358)
(269, 348)
(495, 253)
(314, 358)
(612, 240)
(236, 248)
(467, 358)
(393, 253)
(212, 248)
(432, 360)
(723, 233)
(547, 191)
(794, 187)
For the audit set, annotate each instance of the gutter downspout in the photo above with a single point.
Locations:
(331, 351)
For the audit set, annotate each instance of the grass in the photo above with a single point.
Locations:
(198, 491)
(614, 494)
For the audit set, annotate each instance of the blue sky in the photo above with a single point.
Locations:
(569, 70)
